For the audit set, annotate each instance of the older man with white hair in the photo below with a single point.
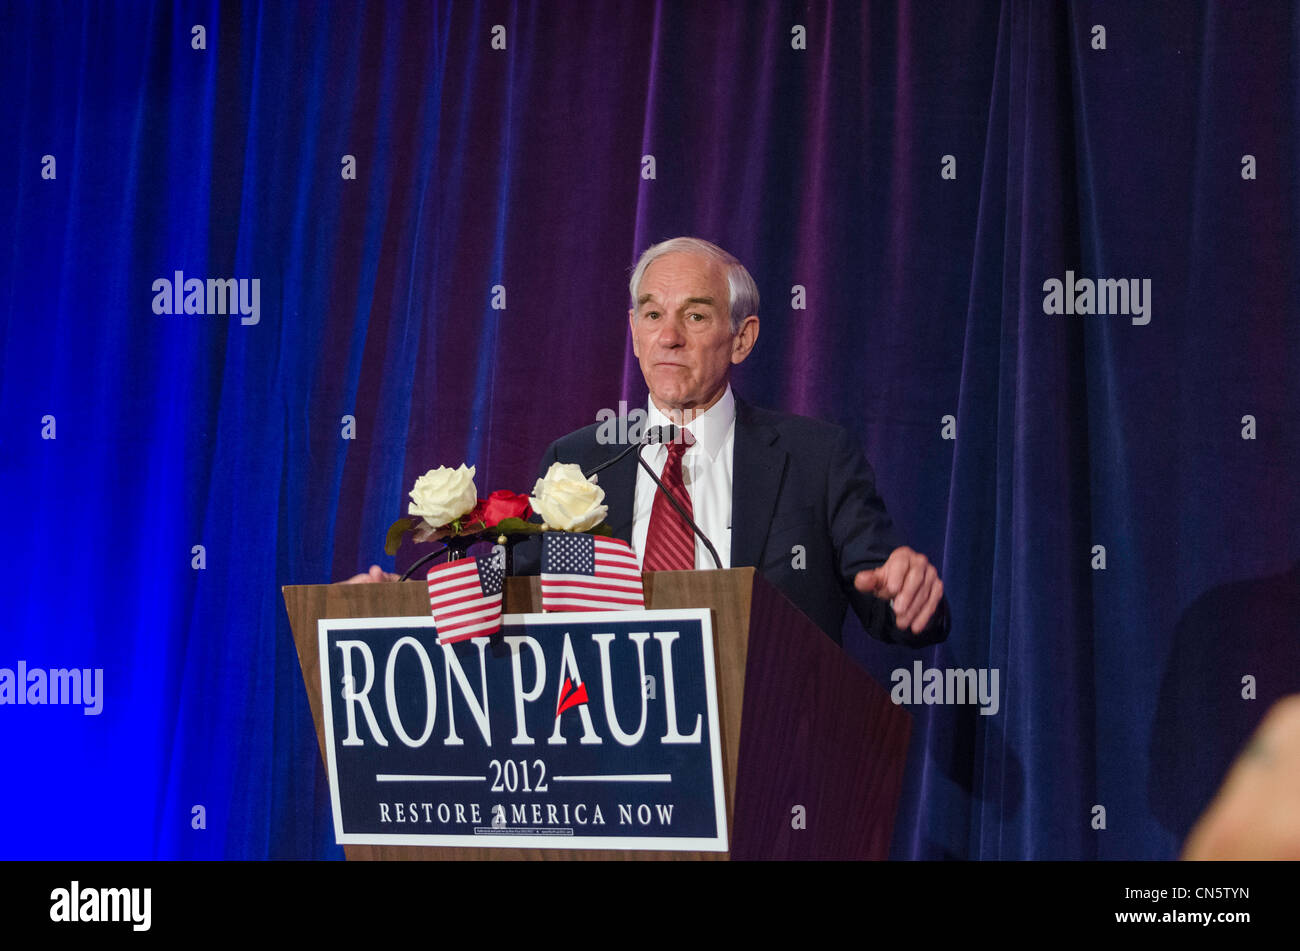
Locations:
(789, 495)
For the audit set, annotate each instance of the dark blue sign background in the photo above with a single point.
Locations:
(682, 808)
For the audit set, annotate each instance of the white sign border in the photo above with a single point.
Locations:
(505, 840)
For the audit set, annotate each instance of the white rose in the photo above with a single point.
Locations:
(443, 495)
(567, 500)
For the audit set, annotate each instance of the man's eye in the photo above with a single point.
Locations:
(698, 318)
(651, 315)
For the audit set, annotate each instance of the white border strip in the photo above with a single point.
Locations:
(505, 839)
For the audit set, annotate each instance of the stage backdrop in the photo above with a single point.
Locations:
(432, 209)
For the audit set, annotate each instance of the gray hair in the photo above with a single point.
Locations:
(742, 292)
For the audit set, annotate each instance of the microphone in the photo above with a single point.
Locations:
(654, 435)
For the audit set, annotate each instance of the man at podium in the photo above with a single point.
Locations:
(791, 496)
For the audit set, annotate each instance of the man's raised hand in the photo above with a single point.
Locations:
(909, 582)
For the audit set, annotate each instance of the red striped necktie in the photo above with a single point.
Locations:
(670, 541)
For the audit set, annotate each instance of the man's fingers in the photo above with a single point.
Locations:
(884, 582)
(868, 581)
(898, 568)
(916, 577)
(927, 612)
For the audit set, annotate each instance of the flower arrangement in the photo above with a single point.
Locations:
(445, 506)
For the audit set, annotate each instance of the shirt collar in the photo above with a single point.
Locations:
(710, 428)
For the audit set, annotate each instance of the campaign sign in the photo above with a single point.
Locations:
(590, 730)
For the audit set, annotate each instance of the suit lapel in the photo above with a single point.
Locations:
(758, 467)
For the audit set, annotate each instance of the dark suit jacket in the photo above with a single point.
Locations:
(796, 482)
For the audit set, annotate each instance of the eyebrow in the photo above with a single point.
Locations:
(646, 298)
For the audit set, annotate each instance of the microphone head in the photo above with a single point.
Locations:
(669, 433)
(661, 434)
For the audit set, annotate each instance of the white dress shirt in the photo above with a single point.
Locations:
(706, 470)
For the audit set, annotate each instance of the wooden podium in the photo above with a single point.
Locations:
(802, 725)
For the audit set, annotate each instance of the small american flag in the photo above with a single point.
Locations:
(465, 597)
(586, 573)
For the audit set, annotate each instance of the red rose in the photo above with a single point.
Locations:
(498, 507)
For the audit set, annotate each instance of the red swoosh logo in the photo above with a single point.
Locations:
(571, 696)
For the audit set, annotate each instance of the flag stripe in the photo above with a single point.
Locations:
(471, 611)
(476, 630)
(473, 592)
(455, 594)
(576, 604)
(457, 570)
(620, 596)
(579, 581)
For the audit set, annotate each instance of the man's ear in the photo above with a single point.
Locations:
(743, 342)
(631, 328)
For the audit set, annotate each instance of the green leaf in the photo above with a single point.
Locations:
(601, 529)
(516, 526)
(396, 532)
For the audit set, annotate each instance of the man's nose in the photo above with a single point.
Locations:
(671, 334)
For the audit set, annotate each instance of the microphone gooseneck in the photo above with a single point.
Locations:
(424, 560)
(652, 436)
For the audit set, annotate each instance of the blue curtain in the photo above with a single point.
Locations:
(1112, 502)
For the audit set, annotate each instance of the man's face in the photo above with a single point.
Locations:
(681, 331)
